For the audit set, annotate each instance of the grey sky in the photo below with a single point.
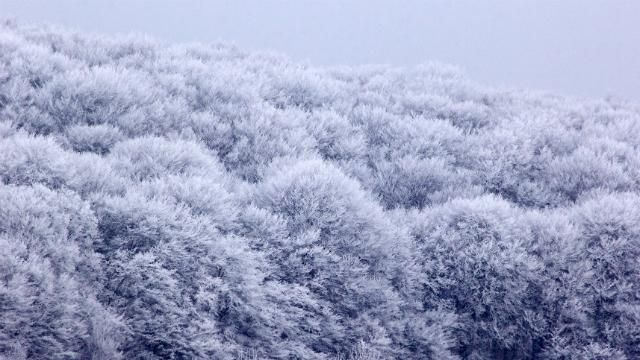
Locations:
(575, 47)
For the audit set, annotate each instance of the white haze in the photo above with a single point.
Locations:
(574, 47)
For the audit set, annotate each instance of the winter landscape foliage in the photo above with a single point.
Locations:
(200, 202)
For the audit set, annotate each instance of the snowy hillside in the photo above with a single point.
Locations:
(200, 202)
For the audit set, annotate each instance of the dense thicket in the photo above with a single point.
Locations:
(196, 201)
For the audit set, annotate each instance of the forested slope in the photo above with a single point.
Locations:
(197, 201)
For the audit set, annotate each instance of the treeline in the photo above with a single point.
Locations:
(197, 201)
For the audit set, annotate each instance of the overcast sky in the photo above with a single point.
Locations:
(575, 47)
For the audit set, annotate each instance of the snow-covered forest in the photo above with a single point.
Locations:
(200, 202)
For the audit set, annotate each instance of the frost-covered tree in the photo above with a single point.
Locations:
(200, 202)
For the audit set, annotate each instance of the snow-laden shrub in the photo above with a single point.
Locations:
(50, 278)
(338, 244)
(98, 139)
(474, 263)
